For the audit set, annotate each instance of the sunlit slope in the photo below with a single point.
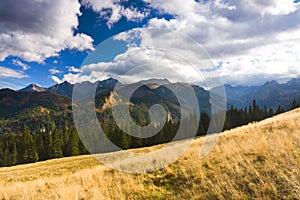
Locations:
(261, 160)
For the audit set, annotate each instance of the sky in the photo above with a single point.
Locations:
(48, 42)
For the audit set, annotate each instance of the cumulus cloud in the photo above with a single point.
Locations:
(275, 61)
(39, 29)
(73, 69)
(145, 58)
(254, 41)
(250, 38)
(10, 73)
(230, 27)
(113, 10)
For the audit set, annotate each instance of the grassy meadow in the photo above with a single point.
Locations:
(257, 161)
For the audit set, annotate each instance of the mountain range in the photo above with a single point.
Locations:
(271, 94)
(58, 97)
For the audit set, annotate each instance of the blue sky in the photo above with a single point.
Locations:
(46, 42)
(90, 23)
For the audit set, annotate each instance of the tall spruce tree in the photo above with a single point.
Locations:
(55, 147)
(295, 104)
(279, 110)
(13, 155)
(28, 150)
(72, 148)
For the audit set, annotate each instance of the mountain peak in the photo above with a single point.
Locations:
(271, 83)
(65, 83)
(33, 88)
(65, 88)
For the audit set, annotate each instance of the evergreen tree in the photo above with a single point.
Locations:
(279, 110)
(271, 112)
(47, 140)
(41, 147)
(82, 149)
(5, 159)
(205, 120)
(28, 150)
(265, 112)
(55, 148)
(13, 155)
(126, 141)
(1, 156)
(256, 112)
(200, 130)
(72, 148)
(138, 141)
(295, 104)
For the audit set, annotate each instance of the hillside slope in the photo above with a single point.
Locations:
(261, 160)
(12, 103)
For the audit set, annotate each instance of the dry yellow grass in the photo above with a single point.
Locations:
(258, 161)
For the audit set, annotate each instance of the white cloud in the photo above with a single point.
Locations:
(113, 10)
(256, 41)
(36, 30)
(78, 78)
(56, 79)
(256, 38)
(179, 61)
(275, 61)
(19, 63)
(174, 7)
(10, 73)
(54, 71)
(75, 78)
(73, 69)
(76, 75)
(225, 31)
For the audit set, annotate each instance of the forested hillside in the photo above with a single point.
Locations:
(42, 135)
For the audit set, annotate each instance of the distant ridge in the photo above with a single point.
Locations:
(271, 94)
(33, 88)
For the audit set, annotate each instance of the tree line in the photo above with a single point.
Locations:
(54, 135)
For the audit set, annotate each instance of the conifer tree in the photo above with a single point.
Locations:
(279, 110)
(28, 150)
(72, 148)
(13, 155)
(55, 148)
(1, 156)
(41, 147)
(295, 104)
